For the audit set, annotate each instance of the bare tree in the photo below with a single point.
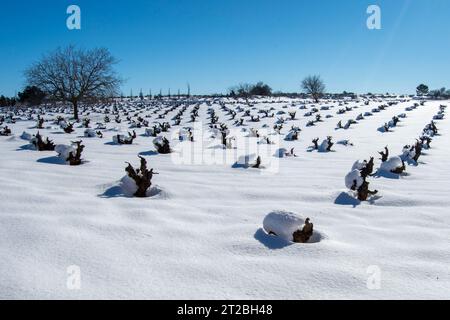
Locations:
(314, 86)
(73, 75)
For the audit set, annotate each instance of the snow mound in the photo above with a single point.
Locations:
(351, 177)
(158, 140)
(284, 153)
(122, 138)
(184, 135)
(248, 161)
(64, 151)
(280, 153)
(284, 224)
(115, 138)
(408, 153)
(324, 146)
(90, 133)
(291, 136)
(149, 132)
(129, 188)
(391, 164)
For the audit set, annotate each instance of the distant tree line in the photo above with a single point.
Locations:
(7, 102)
(31, 95)
(246, 90)
(88, 76)
(423, 90)
(312, 86)
(440, 93)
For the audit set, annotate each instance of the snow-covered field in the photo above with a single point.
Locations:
(200, 235)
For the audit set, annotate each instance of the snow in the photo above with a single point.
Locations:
(122, 137)
(183, 135)
(26, 136)
(64, 151)
(246, 161)
(158, 140)
(291, 135)
(90, 133)
(408, 152)
(353, 176)
(281, 153)
(359, 165)
(149, 132)
(200, 234)
(283, 224)
(64, 125)
(323, 147)
(391, 164)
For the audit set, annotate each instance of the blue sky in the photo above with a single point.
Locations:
(214, 44)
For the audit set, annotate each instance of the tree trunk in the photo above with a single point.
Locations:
(75, 109)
